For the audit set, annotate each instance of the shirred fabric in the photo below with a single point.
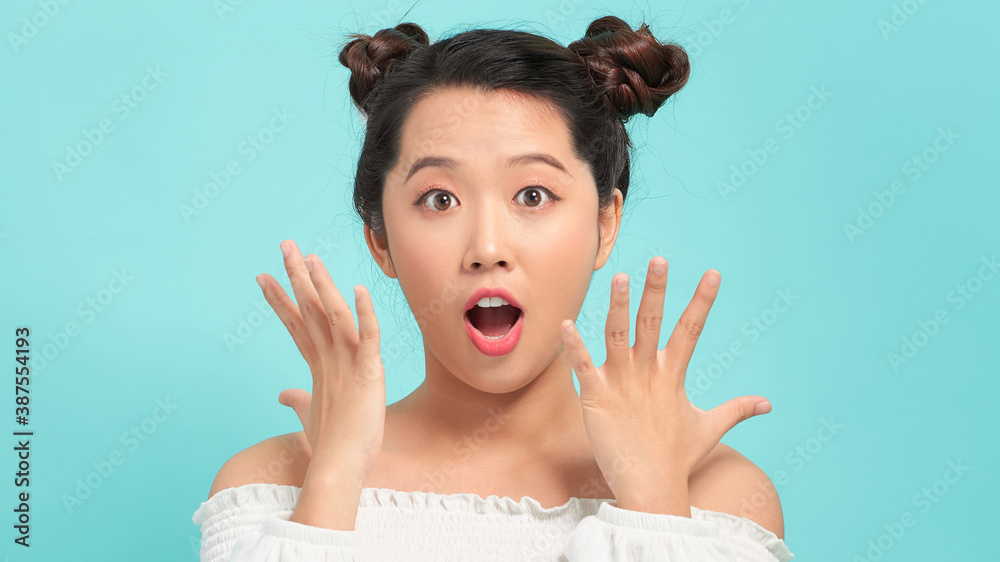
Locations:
(251, 523)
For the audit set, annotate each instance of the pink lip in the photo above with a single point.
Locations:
(487, 346)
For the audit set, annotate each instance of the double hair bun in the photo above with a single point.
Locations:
(632, 71)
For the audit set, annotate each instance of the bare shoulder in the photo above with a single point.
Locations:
(727, 481)
(281, 459)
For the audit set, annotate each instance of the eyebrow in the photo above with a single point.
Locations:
(445, 162)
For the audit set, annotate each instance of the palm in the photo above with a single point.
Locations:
(643, 429)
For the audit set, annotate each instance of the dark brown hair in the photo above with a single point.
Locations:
(597, 82)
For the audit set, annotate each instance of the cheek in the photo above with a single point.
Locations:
(418, 246)
(560, 270)
(568, 239)
(426, 262)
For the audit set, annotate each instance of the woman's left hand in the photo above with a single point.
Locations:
(645, 434)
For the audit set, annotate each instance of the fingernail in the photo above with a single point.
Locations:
(309, 263)
(659, 267)
(260, 282)
(569, 329)
(285, 249)
(763, 407)
(622, 284)
(712, 279)
(357, 291)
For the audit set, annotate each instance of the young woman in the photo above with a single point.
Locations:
(491, 183)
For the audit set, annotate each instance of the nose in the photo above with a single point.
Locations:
(489, 243)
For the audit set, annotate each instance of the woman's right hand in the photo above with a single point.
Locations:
(344, 417)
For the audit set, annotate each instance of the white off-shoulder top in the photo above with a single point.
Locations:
(251, 523)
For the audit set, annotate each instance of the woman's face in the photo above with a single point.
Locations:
(477, 216)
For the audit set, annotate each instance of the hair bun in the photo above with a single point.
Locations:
(631, 70)
(371, 57)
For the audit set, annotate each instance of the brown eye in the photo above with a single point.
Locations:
(438, 200)
(535, 196)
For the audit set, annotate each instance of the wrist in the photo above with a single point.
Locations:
(331, 469)
(329, 498)
(671, 501)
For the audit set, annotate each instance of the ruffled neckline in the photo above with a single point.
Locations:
(280, 496)
(287, 495)
(468, 502)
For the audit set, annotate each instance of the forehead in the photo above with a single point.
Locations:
(468, 119)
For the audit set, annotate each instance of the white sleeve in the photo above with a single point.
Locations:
(281, 540)
(250, 523)
(620, 535)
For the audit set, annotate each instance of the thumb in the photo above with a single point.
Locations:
(298, 400)
(737, 410)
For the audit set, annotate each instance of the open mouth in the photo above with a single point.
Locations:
(493, 322)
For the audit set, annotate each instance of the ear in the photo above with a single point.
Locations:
(610, 220)
(379, 247)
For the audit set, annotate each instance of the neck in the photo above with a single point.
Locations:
(512, 429)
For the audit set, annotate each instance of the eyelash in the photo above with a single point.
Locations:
(421, 198)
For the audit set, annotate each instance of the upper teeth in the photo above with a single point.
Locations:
(487, 302)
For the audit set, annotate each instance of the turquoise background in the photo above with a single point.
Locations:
(212, 79)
